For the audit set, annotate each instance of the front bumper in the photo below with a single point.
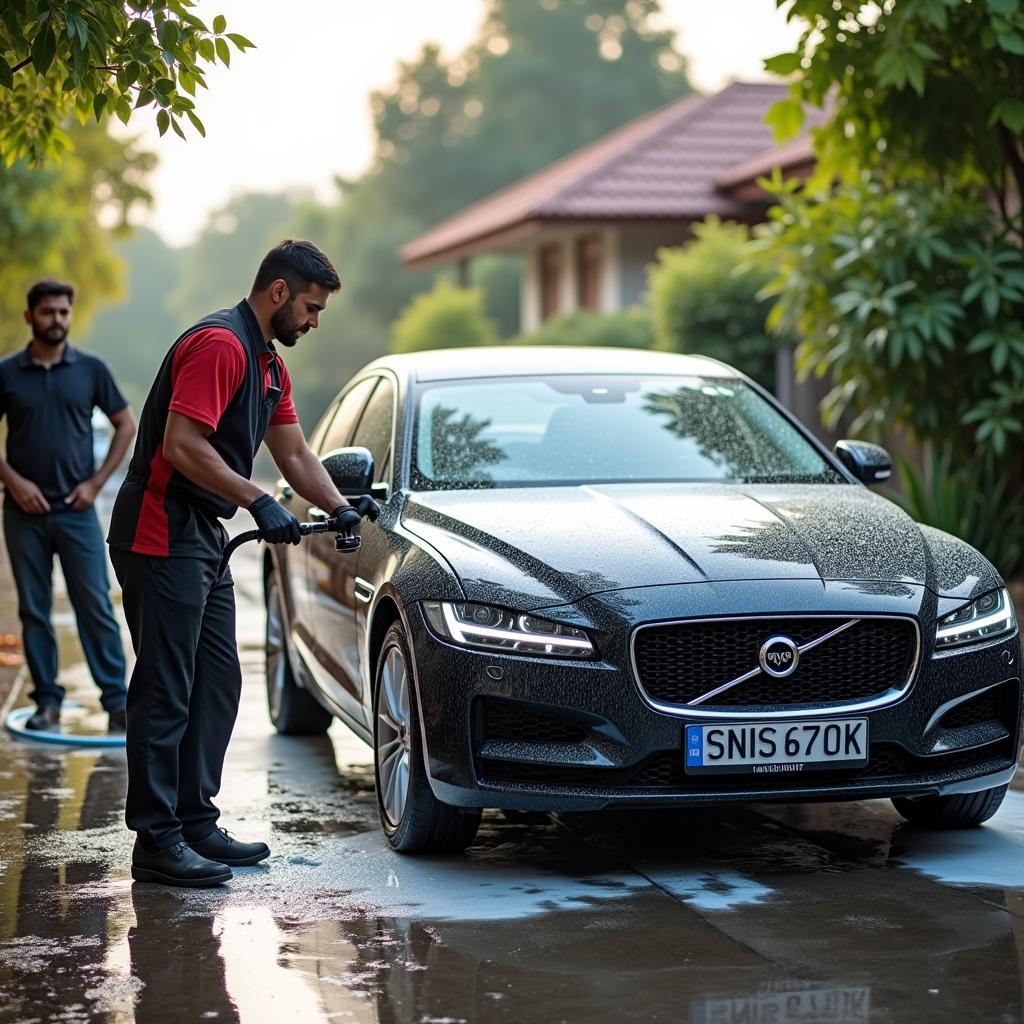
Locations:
(603, 745)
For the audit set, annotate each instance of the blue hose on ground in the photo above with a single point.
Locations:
(15, 723)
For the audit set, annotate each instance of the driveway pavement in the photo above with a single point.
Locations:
(748, 915)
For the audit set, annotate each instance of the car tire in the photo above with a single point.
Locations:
(293, 711)
(413, 819)
(962, 810)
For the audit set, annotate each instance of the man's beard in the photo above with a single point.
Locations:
(285, 327)
(52, 336)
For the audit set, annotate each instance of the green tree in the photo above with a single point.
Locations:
(930, 89)
(704, 299)
(543, 79)
(907, 282)
(95, 58)
(135, 332)
(221, 263)
(50, 224)
(447, 317)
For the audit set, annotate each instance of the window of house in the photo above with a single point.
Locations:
(550, 281)
(589, 261)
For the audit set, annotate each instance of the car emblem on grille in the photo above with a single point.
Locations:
(779, 656)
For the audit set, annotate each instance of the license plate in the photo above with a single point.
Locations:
(782, 747)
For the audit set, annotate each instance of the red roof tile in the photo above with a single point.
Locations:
(665, 165)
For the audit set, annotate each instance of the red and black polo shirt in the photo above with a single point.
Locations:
(224, 374)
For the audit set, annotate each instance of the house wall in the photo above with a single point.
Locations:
(627, 252)
(640, 247)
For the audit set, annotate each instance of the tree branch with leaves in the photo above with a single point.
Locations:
(101, 58)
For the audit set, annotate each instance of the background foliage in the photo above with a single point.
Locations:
(50, 224)
(705, 299)
(628, 329)
(447, 317)
(99, 58)
(907, 281)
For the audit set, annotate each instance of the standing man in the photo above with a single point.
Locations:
(221, 390)
(48, 392)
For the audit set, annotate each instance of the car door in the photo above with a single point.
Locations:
(292, 560)
(323, 612)
(336, 622)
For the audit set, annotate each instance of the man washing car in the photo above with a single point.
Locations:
(221, 390)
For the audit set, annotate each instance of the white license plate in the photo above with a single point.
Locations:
(770, 747)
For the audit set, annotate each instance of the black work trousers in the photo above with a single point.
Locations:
(183, 694)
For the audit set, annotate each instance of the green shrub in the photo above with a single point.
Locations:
(631, 329)
(704, 300)
(974, 501)
(447, 317)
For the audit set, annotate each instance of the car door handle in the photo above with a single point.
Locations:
(318, 514)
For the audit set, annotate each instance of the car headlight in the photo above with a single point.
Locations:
(498, 629)
(985, 618)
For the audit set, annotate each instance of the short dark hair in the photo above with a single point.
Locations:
(299, 264)
(47, 287)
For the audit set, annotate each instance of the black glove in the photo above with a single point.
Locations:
(276, 525)
(350, 516)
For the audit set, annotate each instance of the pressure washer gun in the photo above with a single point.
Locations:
(344, 540)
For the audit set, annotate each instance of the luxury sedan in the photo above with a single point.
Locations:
(608, 578)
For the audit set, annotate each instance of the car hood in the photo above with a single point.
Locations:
(536, 547)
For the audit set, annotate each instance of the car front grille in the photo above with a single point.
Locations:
(679, 662)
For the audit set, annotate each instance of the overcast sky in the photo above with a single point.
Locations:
(295, 111)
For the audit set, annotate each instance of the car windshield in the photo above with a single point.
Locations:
(533, 431)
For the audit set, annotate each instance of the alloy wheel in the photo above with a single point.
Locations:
(394, 736)
(276, 656)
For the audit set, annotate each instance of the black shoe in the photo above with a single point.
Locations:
(117, 721)
(220, 846)
(46, 719)
(177, 866)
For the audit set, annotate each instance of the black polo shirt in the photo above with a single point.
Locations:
(49, 417)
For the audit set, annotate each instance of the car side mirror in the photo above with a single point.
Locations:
(350, 470)
(869, 463)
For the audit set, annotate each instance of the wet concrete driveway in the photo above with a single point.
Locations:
(751, 915)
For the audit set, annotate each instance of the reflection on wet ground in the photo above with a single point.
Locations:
(761, 915)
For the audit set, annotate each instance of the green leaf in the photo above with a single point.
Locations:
(219, 24)
(1004, 6)
(164, 86)
(163, 121)
(177, 128)
(223, 52)
(98, 103)
(1011, 113)
(196, 123)
(82, 27)
(168, 35)
(6, 74)
(240, 41)
(1011, 42)
(206, 50)
(783, 63)
(123, 110)
(44, 48)
(786, 117)
(145, 97)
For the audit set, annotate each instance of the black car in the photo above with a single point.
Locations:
(617, 578)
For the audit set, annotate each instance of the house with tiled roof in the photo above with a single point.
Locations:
(588, 225)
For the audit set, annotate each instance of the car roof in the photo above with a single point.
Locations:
(527, 360)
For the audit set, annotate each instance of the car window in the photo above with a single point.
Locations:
(339, 433)
(605, 429)
(374, 430)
